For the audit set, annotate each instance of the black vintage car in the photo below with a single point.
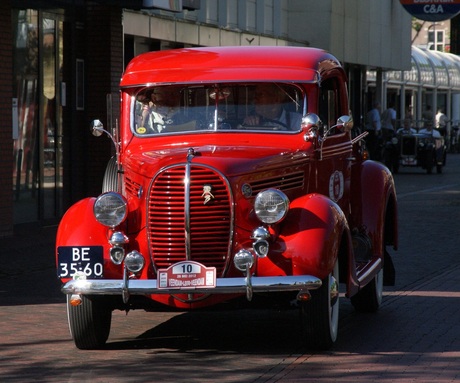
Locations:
(415, 150)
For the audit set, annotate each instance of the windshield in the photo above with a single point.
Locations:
(188, 108)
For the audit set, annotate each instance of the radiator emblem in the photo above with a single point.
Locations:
(207, 195)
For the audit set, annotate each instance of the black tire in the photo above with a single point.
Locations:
(110, 180)
(89, 323)
(320, 316)
(369, 298)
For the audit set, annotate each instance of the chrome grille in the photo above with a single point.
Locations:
(210, 224)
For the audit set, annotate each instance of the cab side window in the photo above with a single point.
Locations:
(328, 103)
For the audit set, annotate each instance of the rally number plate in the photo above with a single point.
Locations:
(187, 275)
(80, 260)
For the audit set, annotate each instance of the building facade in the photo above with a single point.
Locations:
(62, 61)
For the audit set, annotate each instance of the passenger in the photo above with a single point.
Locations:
(269, 110)
(406, 129)
(161, 110)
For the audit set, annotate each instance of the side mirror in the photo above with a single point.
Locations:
(346, 122)
(97, 128)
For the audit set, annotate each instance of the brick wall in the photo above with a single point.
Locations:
(6, 142)
(104, 66)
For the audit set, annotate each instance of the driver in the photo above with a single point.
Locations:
(269, 111)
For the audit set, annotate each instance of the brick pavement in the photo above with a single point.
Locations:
(415, 337)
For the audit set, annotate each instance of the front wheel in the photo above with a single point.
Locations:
(320, 315)
(89, 323)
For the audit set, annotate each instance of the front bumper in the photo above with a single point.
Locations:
(223, 286)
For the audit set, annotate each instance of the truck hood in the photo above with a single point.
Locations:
(229, 160)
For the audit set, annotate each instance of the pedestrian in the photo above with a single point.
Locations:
(410, 113)
(441, 122)
(388, 122)
(374, 129)
(427, 115)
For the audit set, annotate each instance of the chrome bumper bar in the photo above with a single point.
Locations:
(223, 286)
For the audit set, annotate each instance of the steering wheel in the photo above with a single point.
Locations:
(275, 122)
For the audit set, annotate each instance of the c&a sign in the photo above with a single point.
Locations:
(432, 10)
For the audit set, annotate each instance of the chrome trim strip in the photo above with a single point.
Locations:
(223, 286)
(188, 251)
(371, 269)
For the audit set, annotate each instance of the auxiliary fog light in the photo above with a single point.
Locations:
(117, 254)
(134, 261)
(243, 260)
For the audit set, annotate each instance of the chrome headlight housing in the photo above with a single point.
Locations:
(110, 209)
(271, 206)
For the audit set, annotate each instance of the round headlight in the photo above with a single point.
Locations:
(271, 206)
(110, 209)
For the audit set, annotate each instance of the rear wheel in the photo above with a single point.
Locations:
(89, 322)
(320, 315)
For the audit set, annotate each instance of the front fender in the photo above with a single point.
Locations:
(309, 240)
(78, 227)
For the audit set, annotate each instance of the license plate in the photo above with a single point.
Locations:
(409, 161)
(187, 275)
(80, 260)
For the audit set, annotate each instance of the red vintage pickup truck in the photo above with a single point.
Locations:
(238, 174)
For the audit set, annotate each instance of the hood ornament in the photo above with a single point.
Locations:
(190, 154)
(207, 195)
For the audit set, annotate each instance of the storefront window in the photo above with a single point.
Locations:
(37, 176)
(26, 67)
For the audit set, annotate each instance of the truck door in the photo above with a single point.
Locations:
(334, 160)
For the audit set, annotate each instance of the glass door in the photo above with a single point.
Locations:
(37, 153)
